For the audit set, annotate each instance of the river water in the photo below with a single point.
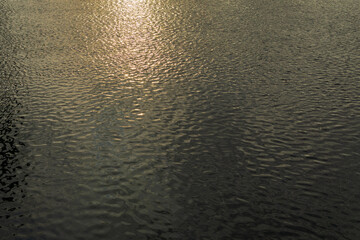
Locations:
(188, 119)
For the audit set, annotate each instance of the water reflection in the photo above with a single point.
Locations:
(12, 177)
(182, 120)
(13, 170)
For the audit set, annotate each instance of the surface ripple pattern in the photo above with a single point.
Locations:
(160, 119)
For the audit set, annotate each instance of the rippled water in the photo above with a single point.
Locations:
(160, 119)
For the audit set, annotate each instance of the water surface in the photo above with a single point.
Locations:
(159, 119)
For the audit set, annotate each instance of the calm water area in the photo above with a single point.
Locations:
(179, 119)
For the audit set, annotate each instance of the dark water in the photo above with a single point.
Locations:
(189, 119)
